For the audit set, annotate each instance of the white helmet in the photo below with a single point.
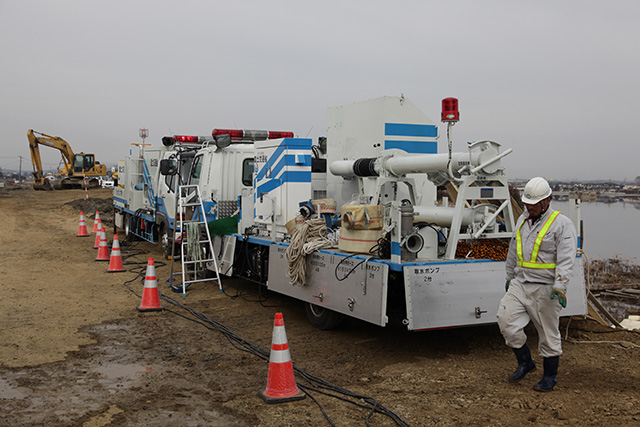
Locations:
(536, 189)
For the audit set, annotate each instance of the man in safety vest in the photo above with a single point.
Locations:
(539, 264)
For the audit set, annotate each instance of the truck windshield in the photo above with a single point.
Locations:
(185, 167)
(182, 177)
(195, 171)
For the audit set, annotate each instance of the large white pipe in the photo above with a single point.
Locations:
(487, 158)
(427, 163)
(401, 165)
(342, 168)
(443, 216)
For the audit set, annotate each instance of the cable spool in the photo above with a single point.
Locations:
(347, 221)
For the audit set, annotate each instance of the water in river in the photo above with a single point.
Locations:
(610, 229)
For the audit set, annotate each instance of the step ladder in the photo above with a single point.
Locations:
(196, 248)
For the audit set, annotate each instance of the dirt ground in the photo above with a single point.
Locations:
(75, 351)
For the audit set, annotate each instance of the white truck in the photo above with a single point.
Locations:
(145, 200)
(402, 254)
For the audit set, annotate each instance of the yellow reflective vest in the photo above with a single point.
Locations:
(544, 252)
(532, 263)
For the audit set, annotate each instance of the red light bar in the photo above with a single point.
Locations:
(280, 134)
(253, 135)
(233, 133)
(185, 138)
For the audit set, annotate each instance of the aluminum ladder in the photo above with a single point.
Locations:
(191, 231)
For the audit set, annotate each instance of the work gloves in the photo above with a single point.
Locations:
(562, 298)
(506, 286)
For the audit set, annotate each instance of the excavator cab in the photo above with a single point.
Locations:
(83, 162)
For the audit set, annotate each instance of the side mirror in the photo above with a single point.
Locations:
(223, 140)
(168, 167)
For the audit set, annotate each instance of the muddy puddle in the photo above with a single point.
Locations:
(95, 385)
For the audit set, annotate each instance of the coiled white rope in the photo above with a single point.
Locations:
(308, 237)
(193, 245)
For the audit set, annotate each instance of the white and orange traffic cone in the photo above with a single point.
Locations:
(115, 262)
(96, 244)
(281, 383)
(103, 249)
(150, 294)
(82, 227)
(95, 222)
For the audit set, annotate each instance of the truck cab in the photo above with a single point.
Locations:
(223, 174)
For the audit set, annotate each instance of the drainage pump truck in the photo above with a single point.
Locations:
(371, 222)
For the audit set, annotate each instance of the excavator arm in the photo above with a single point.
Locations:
(39, 181)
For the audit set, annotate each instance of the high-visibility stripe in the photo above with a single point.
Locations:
(280, 356)
(529, 264)
(536, 246)
(279, 335)
(541, 234)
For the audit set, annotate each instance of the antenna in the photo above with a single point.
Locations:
(307, 135)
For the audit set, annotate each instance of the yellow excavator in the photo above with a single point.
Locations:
(77, 167)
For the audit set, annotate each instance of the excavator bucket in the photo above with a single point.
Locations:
(44, 186)
(41, 183)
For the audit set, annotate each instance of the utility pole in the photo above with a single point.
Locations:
(20, 173)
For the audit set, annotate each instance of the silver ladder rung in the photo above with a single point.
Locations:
(202, 260)
(213, 279)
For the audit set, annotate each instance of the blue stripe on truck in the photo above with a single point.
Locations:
(409, 129)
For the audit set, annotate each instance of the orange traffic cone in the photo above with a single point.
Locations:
(95, 222)
(281, 384)
(82, 227)
(150, 294)
(103, 249)
(115, 262)
(100, 230)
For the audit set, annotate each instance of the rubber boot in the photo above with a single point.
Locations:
(548, 380)
(525, 363)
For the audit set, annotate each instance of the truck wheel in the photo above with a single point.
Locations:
(165, 241)
(126, 226)
(322, 318)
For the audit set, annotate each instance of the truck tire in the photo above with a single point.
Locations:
(164, 239)
(322, 318)
(126, 227)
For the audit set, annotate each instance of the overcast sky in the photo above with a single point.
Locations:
(556, 81)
